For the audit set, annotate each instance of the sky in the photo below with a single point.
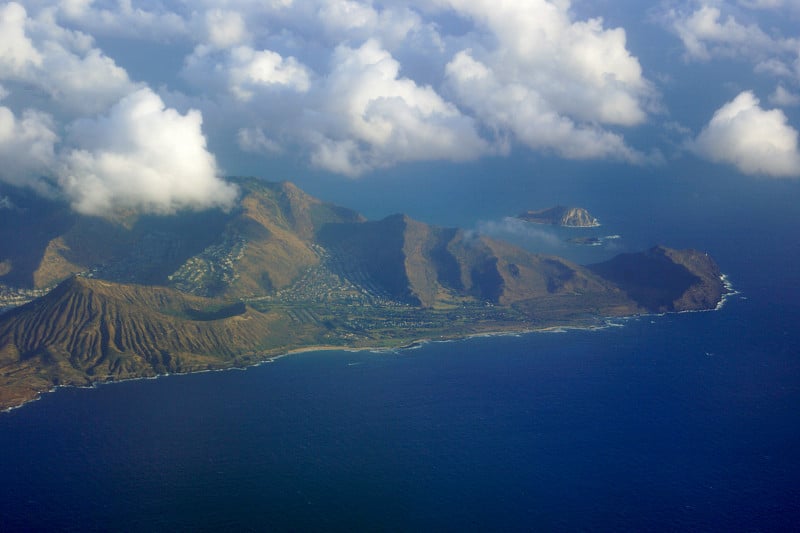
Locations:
(118, 104)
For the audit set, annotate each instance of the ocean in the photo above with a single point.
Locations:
(679, 422)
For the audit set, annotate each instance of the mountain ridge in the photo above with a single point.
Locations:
(283, 270)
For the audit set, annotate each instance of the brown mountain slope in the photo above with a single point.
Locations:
(425, 265)
(665, 280)
(527, 276)
(88, 330)
(371, 254)
(259, 246)
(285, 270)
(276, 227)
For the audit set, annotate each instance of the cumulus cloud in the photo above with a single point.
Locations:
(350, 20)
(251, 69)
(246, 72)
(16, 49)
(784, 98)
(712, 30)
(60, 62)
(119, 18)
(143, 156)
(755, 140)
(579, 68)
(255, 141)
(704, 33)
(137, 155)
(774, 67)
(523, 111)
(86, 83)
(548, 81)
(359, 85)
(370, 117)
(27, 148)
(225, 28)
(564, 84)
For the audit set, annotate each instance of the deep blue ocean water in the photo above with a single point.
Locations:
(679, 422)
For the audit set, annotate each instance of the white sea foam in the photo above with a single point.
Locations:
(729, 291)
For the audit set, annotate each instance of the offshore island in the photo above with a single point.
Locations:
(92, 299)
(569, 217)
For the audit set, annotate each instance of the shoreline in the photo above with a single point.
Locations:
(410, 345)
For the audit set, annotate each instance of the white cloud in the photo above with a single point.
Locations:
(516, 229)
(255, 141)
(143, 156)
(343, 156)
(576, 79)
(359, 85)
(712, 30)
(774, 67)
(62, 63)
(761, 4)
(755, 140)
(521, 110)
(334, 106)
(347, 15)
(370, 117)
(86, 83)
(578, 67)
(548, 81)
(119, 18)
(244, 72)
(784, 98)
(16, 49)
(225, 28)
(251, 69)
(770, 4)
(358, 21)
(704, 33)
(26, 148)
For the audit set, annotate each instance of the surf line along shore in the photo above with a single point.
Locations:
(412, 344)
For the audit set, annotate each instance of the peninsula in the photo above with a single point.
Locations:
(97, 299)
